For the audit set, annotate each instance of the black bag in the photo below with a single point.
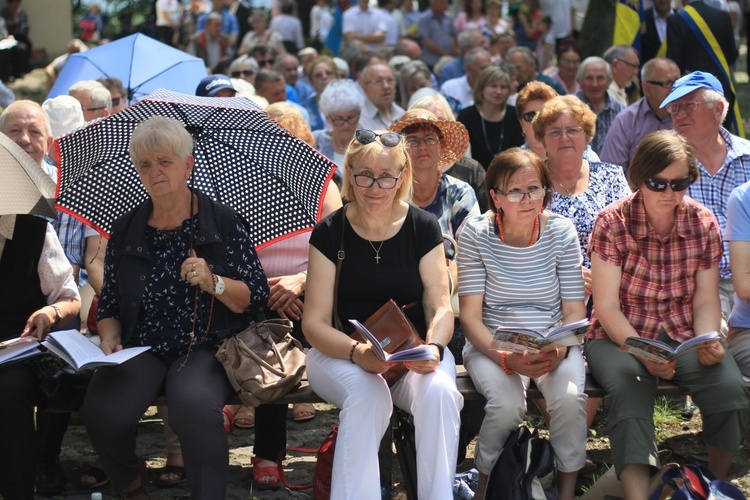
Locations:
(525, 469)
(62, 388)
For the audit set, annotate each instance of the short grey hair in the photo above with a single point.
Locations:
(712, 96)
(242, 61)
(466, 38)
(528, 54)
(473, 53)
(340, 96)
(23, 104)
(99, 94)
(265, 76)
(591, 61)
(158, 134)
(617, 52)
(214, 17)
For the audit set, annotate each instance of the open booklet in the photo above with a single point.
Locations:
(660, 352)
(413, 354)
(18, 348)
(522, 340)
(80, 353)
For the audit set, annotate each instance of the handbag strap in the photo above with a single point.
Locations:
(339, 260)
(282, 474)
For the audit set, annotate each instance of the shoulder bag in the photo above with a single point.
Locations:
(387, 322)
(263, 362)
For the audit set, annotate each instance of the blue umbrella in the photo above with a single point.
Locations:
(142, 63)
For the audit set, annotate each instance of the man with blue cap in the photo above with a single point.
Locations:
(216, 86)
(698, 108)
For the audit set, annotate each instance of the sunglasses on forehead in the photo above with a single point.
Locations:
(660, 185)
(387, 139)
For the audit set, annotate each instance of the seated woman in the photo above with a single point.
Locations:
(382, 236)
(654, 260)
(182, 302)
(519, 266)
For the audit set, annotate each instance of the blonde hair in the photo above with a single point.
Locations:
(292, 120)
(437, 103)
(358, 153)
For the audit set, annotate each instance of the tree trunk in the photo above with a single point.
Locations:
(598, 28)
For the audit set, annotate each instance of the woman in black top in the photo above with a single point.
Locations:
(491, 123)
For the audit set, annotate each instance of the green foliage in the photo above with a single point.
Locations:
(665, 412)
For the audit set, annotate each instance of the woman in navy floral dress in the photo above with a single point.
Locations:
(181, 296)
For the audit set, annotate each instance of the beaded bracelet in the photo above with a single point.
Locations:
(351, 354)
(504, 365)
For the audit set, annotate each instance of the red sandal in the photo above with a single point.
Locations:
(266, 471)
(228, 426)
(140, 490)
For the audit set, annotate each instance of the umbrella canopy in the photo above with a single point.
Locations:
(243, 158)
(25, 187)
(142, 63)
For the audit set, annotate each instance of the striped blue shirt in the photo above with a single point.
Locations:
(713, 190)
(522, 287)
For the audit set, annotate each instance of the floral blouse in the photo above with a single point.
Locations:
(607, 184)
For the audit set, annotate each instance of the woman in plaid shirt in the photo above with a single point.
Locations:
(654, 260)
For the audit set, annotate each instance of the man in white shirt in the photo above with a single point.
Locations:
(364, 24)
(379, 86)
(624, 63)
(461, 88)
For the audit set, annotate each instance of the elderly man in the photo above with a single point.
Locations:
(364, 24)
(437, 32)
(460, 88)
(210, 44)
(215, 86)
(527, 67)
(229, 26)
(379, 86)
(643, 116)
(95, 99)
(39, 292)
(594, 77)
(467, 40)
(623, 61)
(288, 65)
(698, 108)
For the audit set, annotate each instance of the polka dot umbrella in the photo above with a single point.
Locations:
(243, 158)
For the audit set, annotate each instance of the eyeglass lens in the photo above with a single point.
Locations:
(660, 185)
(387, 139)
(366, 181)
(515, 197)
(529, 116)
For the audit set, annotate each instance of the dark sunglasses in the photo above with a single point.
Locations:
(529, 115)
(387, 139)
(265, 62)
(660, 185)
(242, 72)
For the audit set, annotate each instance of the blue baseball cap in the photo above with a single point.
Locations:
(212, 84)
(693, 81)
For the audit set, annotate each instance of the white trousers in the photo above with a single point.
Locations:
(366, 403)
(506, 407)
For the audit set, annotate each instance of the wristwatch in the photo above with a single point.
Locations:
(220, 286)
(441, 348)
(58, 316)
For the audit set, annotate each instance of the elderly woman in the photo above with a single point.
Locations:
(244, 67)
(502, 251)
(321, 71)
(187, 300)
(341, 103)
(491, 122)
(381, 236)
(655, 260)
(260, 34)
(413, 76)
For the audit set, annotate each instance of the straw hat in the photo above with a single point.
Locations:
(455, 139)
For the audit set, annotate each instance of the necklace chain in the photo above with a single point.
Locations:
(377, 250)
(427, 198)
(571, 190)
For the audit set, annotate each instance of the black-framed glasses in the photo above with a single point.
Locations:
(529, 116)
(557, 133)
(687, 107)
(265, 62)
(517, 196)
(660, 185)
(384, 182)
(666, 84)
(387, 139)
(342, 120)
(626, 63)
(242, 73)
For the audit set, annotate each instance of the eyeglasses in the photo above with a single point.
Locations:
(626, 63)
(557, 133)
(666, 84)
(429, 140)
(660, 185)
(242, 72)
(687, 107)
(265, 62)
(384, 182)
(115, 101)
(516, 196)
(349, 119)
(380, 81)
(387, 139)
(324, 74)
(528, 116)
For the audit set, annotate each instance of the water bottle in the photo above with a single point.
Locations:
(96, 496)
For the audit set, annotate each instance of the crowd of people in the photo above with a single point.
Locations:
(486, 175)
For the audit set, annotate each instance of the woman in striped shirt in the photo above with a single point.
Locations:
(520, 266)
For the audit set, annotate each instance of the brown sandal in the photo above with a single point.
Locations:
(139, 490)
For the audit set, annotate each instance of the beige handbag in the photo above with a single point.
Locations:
(263, 362)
